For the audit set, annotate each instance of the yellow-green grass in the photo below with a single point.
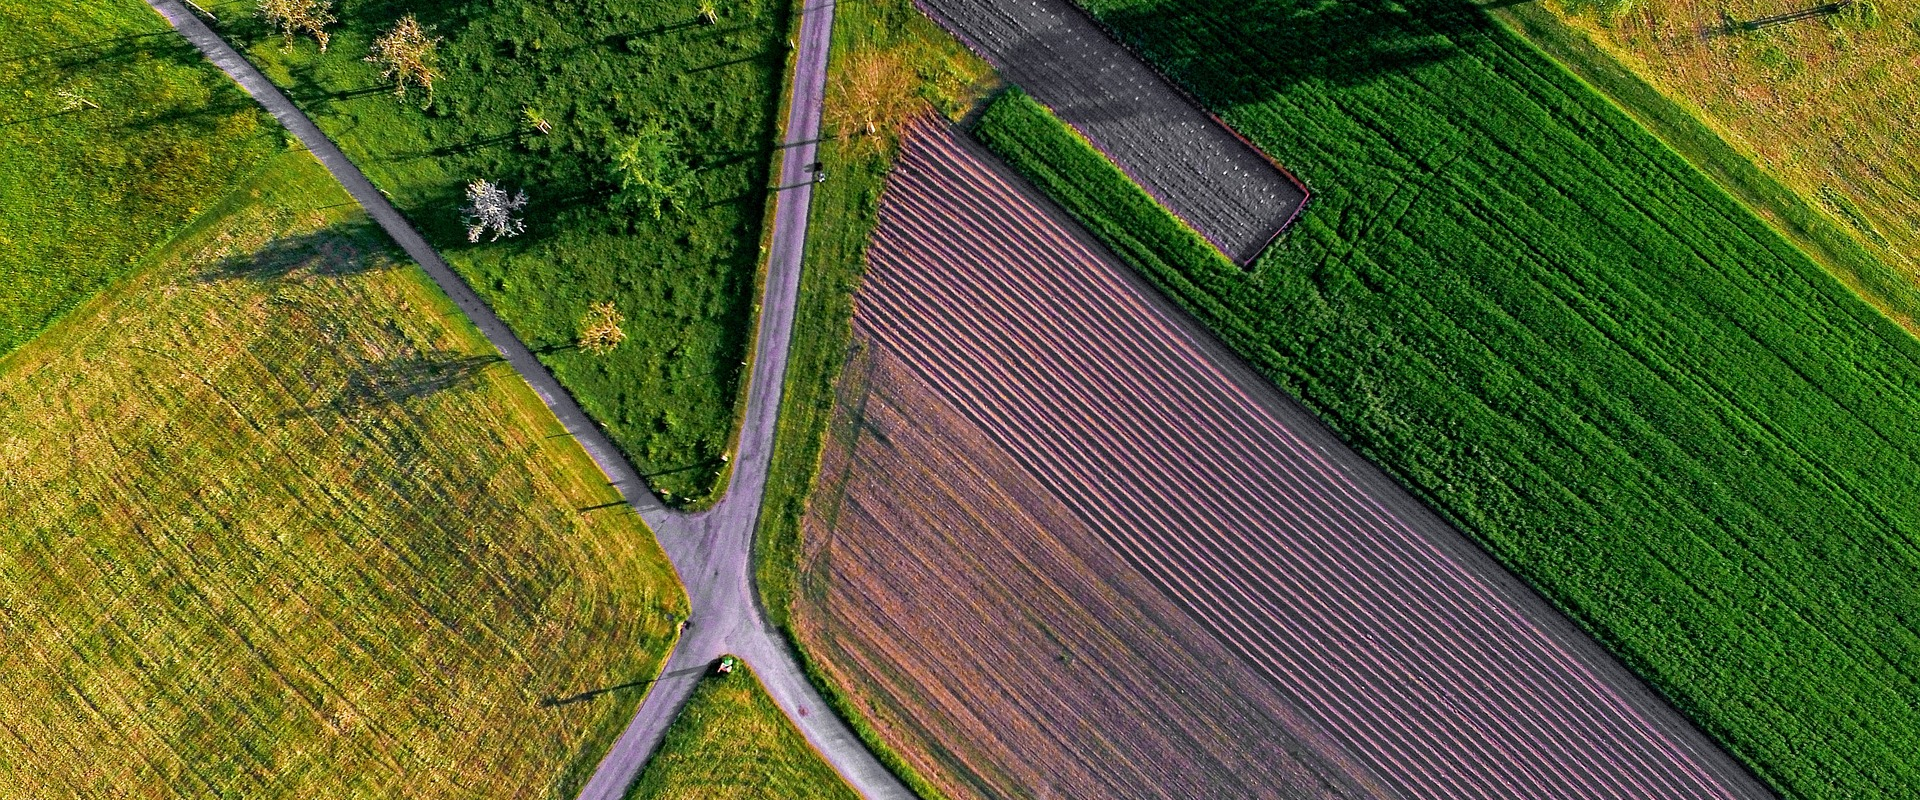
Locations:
(1826, 106)
(732, 743)
(274, 522)
(113, 133)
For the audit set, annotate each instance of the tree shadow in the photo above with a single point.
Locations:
(335, 251)
(104, 49)
(403, 379)
(1234, 52)
(457, 148)
(556, 702)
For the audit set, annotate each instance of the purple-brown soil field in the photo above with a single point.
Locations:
(1211, 178)
(1065, 546)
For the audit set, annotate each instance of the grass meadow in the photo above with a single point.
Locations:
(731, 742)
(600, 75)
(1630, 389)
(114, 132)
(275, 523)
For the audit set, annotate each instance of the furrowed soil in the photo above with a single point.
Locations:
(275, 523)
(1218, 183)
(1065, 546)
(1631, 390)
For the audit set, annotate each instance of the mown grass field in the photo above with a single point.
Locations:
(598, 73)
(113, 133)
(731, 742)
(1826, 106)
(274, 523)
(1636, 394)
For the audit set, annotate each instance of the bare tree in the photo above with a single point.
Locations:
(537, 120)
(600, 329)
(406, 55)
(73, 100)
(489, 208)
(709, 14)
(300, 16)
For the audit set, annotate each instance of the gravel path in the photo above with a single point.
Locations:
(1194, 164)
(712, 550)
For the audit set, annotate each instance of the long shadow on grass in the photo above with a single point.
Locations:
(1233, 52)
(554, 702)
(400, 380)
(101, 49)
(343, 249)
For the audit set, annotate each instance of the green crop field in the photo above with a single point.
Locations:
(113, 133)
(1537, 316)
(731, 742)
(274, 522)
(600, 75)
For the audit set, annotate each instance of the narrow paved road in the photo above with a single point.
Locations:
(712, 551)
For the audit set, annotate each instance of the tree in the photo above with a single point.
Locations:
(650, 170)
(406, 55)
(299, 16)
(490, 209)
(600, 329)
(709, 14)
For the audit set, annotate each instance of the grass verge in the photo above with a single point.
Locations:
(1632, 391)
(732, 743)
(696, 99)
(886, 55)
(279, 524)
(114, 134)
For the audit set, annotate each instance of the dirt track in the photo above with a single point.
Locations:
(1066, 544)
(1219, 184)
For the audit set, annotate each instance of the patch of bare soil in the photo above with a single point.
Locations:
(1194, 164)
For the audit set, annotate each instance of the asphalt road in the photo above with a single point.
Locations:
(712, 551)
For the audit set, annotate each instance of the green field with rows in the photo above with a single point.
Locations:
(700, 95)
(1521, 304)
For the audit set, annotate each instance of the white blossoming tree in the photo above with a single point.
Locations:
(491, 210)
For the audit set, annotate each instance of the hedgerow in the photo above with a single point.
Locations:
(1632, 391)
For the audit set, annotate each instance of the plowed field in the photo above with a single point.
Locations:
(1218, 183)
(1065, 547)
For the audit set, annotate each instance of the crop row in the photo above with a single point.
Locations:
(1418, 665)
(1635, 394)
